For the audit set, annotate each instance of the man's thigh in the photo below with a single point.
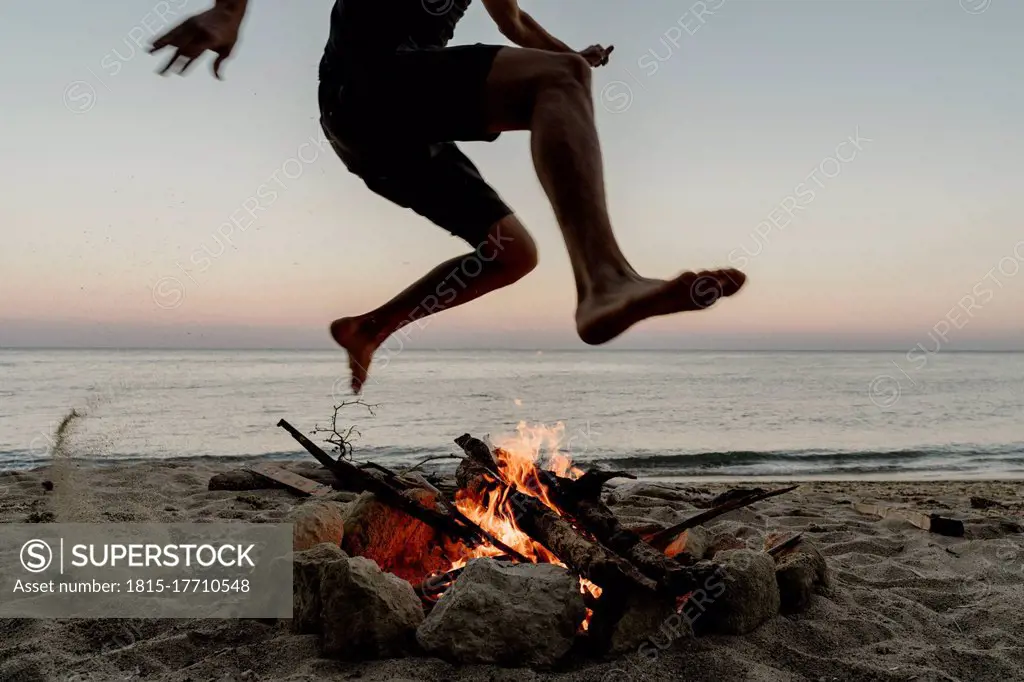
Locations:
(520, 75)
(441, 184)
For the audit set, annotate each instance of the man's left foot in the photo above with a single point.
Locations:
(351, 334)
(600, 319)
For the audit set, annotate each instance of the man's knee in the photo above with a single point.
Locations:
(569, 71)
(579, 68)
(511, 247)
(521, 76)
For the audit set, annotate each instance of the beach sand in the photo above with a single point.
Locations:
(906, 605)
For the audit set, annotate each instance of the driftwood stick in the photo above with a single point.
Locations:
(478, 475)
(387, 493)
(664, 538)
(588, 486)
(585, 507)
(477, 454)
(290, 479)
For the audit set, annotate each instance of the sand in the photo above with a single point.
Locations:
(906, 604)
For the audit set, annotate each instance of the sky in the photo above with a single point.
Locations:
(858, 159)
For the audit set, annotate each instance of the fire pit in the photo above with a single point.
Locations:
(521, 502)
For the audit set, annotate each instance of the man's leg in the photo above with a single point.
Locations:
(549, 95)
(416, 166)
(507, 255)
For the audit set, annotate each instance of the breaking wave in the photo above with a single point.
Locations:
(950, 461)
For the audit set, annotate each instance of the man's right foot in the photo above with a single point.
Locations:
(601, 318)
(351, 334)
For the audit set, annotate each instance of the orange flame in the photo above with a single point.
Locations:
(678, 546)
(520, 458)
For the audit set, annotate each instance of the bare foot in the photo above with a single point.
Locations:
(352, 335)
(600, 319)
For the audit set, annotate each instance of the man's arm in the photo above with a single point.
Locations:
(522, 29)
(216, 30)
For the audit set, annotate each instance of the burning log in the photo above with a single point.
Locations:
(478, 475)
(581, 500)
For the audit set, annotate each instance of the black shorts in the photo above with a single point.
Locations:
(394, 125)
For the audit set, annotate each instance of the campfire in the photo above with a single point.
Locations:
(519, 559)
(523, 463)
(522, 500)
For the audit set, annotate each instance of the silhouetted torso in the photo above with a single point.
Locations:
(364, 32)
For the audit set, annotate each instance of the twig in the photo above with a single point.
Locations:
(384, 470)
(342, 440)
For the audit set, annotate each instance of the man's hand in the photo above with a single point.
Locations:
(597, 55)
(215, 30)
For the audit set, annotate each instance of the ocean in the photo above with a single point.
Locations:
(658, 414)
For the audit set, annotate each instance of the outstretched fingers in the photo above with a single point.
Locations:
(221, 56)
(189, 40)
(169, 38)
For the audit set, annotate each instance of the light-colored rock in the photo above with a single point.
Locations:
(341, 496)
(722, 542)
(800, 571)
(365, 612)
(315, 523)
(397, 542)
(306, 585)
(743, 594)
(514, 615)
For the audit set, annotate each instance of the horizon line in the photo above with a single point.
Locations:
(504, 350)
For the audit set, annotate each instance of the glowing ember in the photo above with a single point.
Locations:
(678, 545)
(520, 457)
